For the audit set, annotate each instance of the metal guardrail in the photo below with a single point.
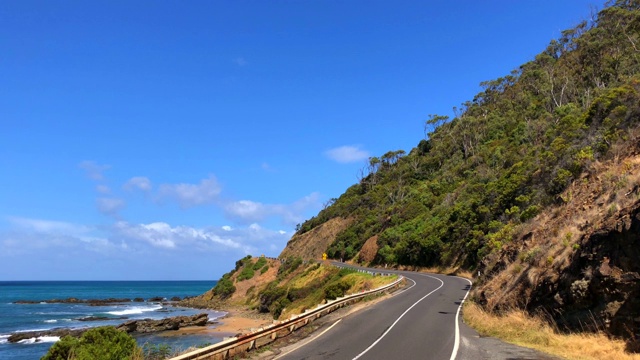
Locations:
(238, 345)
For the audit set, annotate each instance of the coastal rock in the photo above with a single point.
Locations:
(132, 326)
(61, 332)
(173, 323)
(71, 300)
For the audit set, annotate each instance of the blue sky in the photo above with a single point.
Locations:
(148, 140)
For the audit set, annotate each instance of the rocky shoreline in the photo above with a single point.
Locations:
(143, 326)
(99, 302)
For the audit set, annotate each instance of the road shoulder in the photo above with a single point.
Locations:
(476, 347)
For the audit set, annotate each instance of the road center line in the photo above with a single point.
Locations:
(400, 317)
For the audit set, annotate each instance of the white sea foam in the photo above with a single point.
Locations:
(4, 339)
(52, 321)
(48, 339)
(40, 339)
(134, 310)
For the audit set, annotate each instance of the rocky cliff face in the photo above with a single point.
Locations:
(312, 244)
(600, 288)
(578, 263)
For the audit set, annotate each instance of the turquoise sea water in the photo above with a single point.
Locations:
(42, 316)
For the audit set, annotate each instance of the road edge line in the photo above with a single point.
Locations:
(310, 340)
(456, 343)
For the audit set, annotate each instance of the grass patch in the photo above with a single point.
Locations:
(311, 285)
(517, 327)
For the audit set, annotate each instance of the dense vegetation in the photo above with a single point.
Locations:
(300, 286)
(505, 156)
(101, 343)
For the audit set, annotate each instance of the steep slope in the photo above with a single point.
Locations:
(507, 156)
(578, 262)
(534, 185)
(312, 244)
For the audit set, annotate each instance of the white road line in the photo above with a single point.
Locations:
(310, 340)
(400, 317)
(403, 290)
(456, 344)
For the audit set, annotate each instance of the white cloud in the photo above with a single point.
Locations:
(110, 206)
(188, 195)
(163, 235)
(248, 212)
(347, 154)
(227, 228)
(138, 183)
(93, 169)
(29, 234)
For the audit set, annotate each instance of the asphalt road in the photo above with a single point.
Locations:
(417, 323)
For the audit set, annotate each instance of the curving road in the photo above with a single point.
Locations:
(419, 322)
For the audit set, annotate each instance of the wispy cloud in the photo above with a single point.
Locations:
(266, 167)
(48, 226)
(123, 235)
(103, 189)
(110, 206)
(94, 170)
(347, 154)
(138, 183)
(247, 211)
(165, 236)
(188, 195)
(28, 234)
(240, 61)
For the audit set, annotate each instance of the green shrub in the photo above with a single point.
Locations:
(289, 265)
(346, 271)
(101, 343)
(246, 273)
(61, 350)
(336, 290)
(240, 263)
(270, 296)
(264, 269)
(262, 261)
(224, 288)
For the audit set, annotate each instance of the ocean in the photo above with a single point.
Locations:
(42, 316)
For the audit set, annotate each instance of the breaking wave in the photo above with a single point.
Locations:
(135, 310)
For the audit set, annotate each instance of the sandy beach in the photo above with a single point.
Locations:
(234, 323)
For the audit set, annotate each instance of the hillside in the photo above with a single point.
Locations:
(312, 244)
(283, 288)
(534, 184)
